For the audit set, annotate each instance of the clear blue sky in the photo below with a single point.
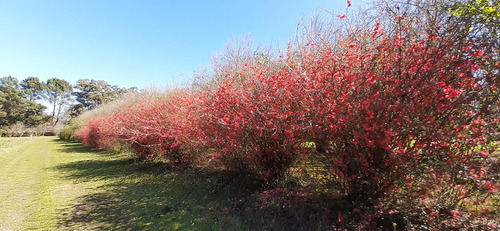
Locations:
(141, 42)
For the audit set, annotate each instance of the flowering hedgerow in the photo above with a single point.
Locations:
(403, 121)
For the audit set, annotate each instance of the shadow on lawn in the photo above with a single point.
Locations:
(77, 148)
(157, 197)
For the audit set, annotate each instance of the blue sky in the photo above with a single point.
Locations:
(141, 42)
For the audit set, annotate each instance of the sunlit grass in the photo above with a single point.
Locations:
(9, 142)
(47, 184)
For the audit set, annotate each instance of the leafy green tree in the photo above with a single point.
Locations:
(33, 88)
(75, 110)
(12, 102)
(92, 93)
(485, 12)
(58, 93)
(16, 107)
(34, 114)
(479, 20)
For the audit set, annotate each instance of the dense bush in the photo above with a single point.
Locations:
(396, 118)
(250, 119)
(68, 132)
(401, 116)
(156, 128)
(98, 133)
(161, 128)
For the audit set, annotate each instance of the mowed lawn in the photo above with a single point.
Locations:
(38, 188)
(48, 184)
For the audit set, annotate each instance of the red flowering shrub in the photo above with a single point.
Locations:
(155, 127)
(98, 133)
(401, 118)
(160, 128)
(250, 119)
(405, 121)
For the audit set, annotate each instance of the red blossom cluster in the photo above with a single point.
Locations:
(97, 133)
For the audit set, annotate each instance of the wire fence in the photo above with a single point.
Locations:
(9, 142)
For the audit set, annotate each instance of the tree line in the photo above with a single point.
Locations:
(31, 106)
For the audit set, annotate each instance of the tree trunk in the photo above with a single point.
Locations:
(54, 111)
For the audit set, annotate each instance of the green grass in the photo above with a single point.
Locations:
(32, 192)
(47, 184)
(12, 141)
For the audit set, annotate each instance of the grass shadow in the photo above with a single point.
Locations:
(150, 196)
(78, 148)
(92, 170)
(153, 196)
(68, 147)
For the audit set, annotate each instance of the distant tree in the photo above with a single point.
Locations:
(34, 114)
(33, 88)
(11, 102)
(92, 93)
(75, 110)
(17, 106)
(58, 93)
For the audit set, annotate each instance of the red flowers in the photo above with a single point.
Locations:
(397, 118)
(478, 53)
(451, 93)
(155, 128)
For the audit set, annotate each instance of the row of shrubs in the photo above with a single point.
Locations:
(402, 119)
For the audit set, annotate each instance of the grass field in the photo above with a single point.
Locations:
(47, 184)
